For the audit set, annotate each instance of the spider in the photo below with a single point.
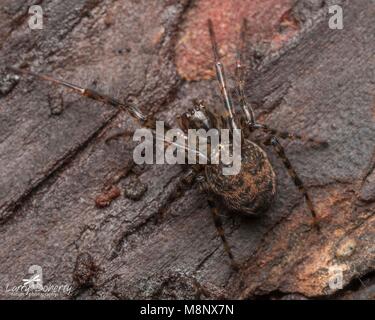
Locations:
(249, 193)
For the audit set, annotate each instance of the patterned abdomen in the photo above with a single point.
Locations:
(252, 190)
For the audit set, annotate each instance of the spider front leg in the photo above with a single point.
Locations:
(240, 77)
(220, 74)
(293, 174)
(89, 93)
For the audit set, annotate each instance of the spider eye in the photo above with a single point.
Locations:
(197, 118)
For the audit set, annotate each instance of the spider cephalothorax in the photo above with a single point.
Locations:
(198, 118)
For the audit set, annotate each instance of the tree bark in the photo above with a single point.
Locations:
(316, 81)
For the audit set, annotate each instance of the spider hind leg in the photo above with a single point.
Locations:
(273, 141)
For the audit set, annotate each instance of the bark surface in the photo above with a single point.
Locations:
(317, 81)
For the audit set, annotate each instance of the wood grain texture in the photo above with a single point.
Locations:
(320, 83)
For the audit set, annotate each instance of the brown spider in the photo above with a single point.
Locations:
(250, 192)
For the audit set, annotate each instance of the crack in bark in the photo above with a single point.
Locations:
(206, 258)
(8, 210)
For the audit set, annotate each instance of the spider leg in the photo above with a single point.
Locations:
(221, 77)
(220, 230)
(247, 108)
(240, 76)
(286, 134)
(133, 110)
(293, 174)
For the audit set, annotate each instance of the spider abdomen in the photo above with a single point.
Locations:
(252, 190)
